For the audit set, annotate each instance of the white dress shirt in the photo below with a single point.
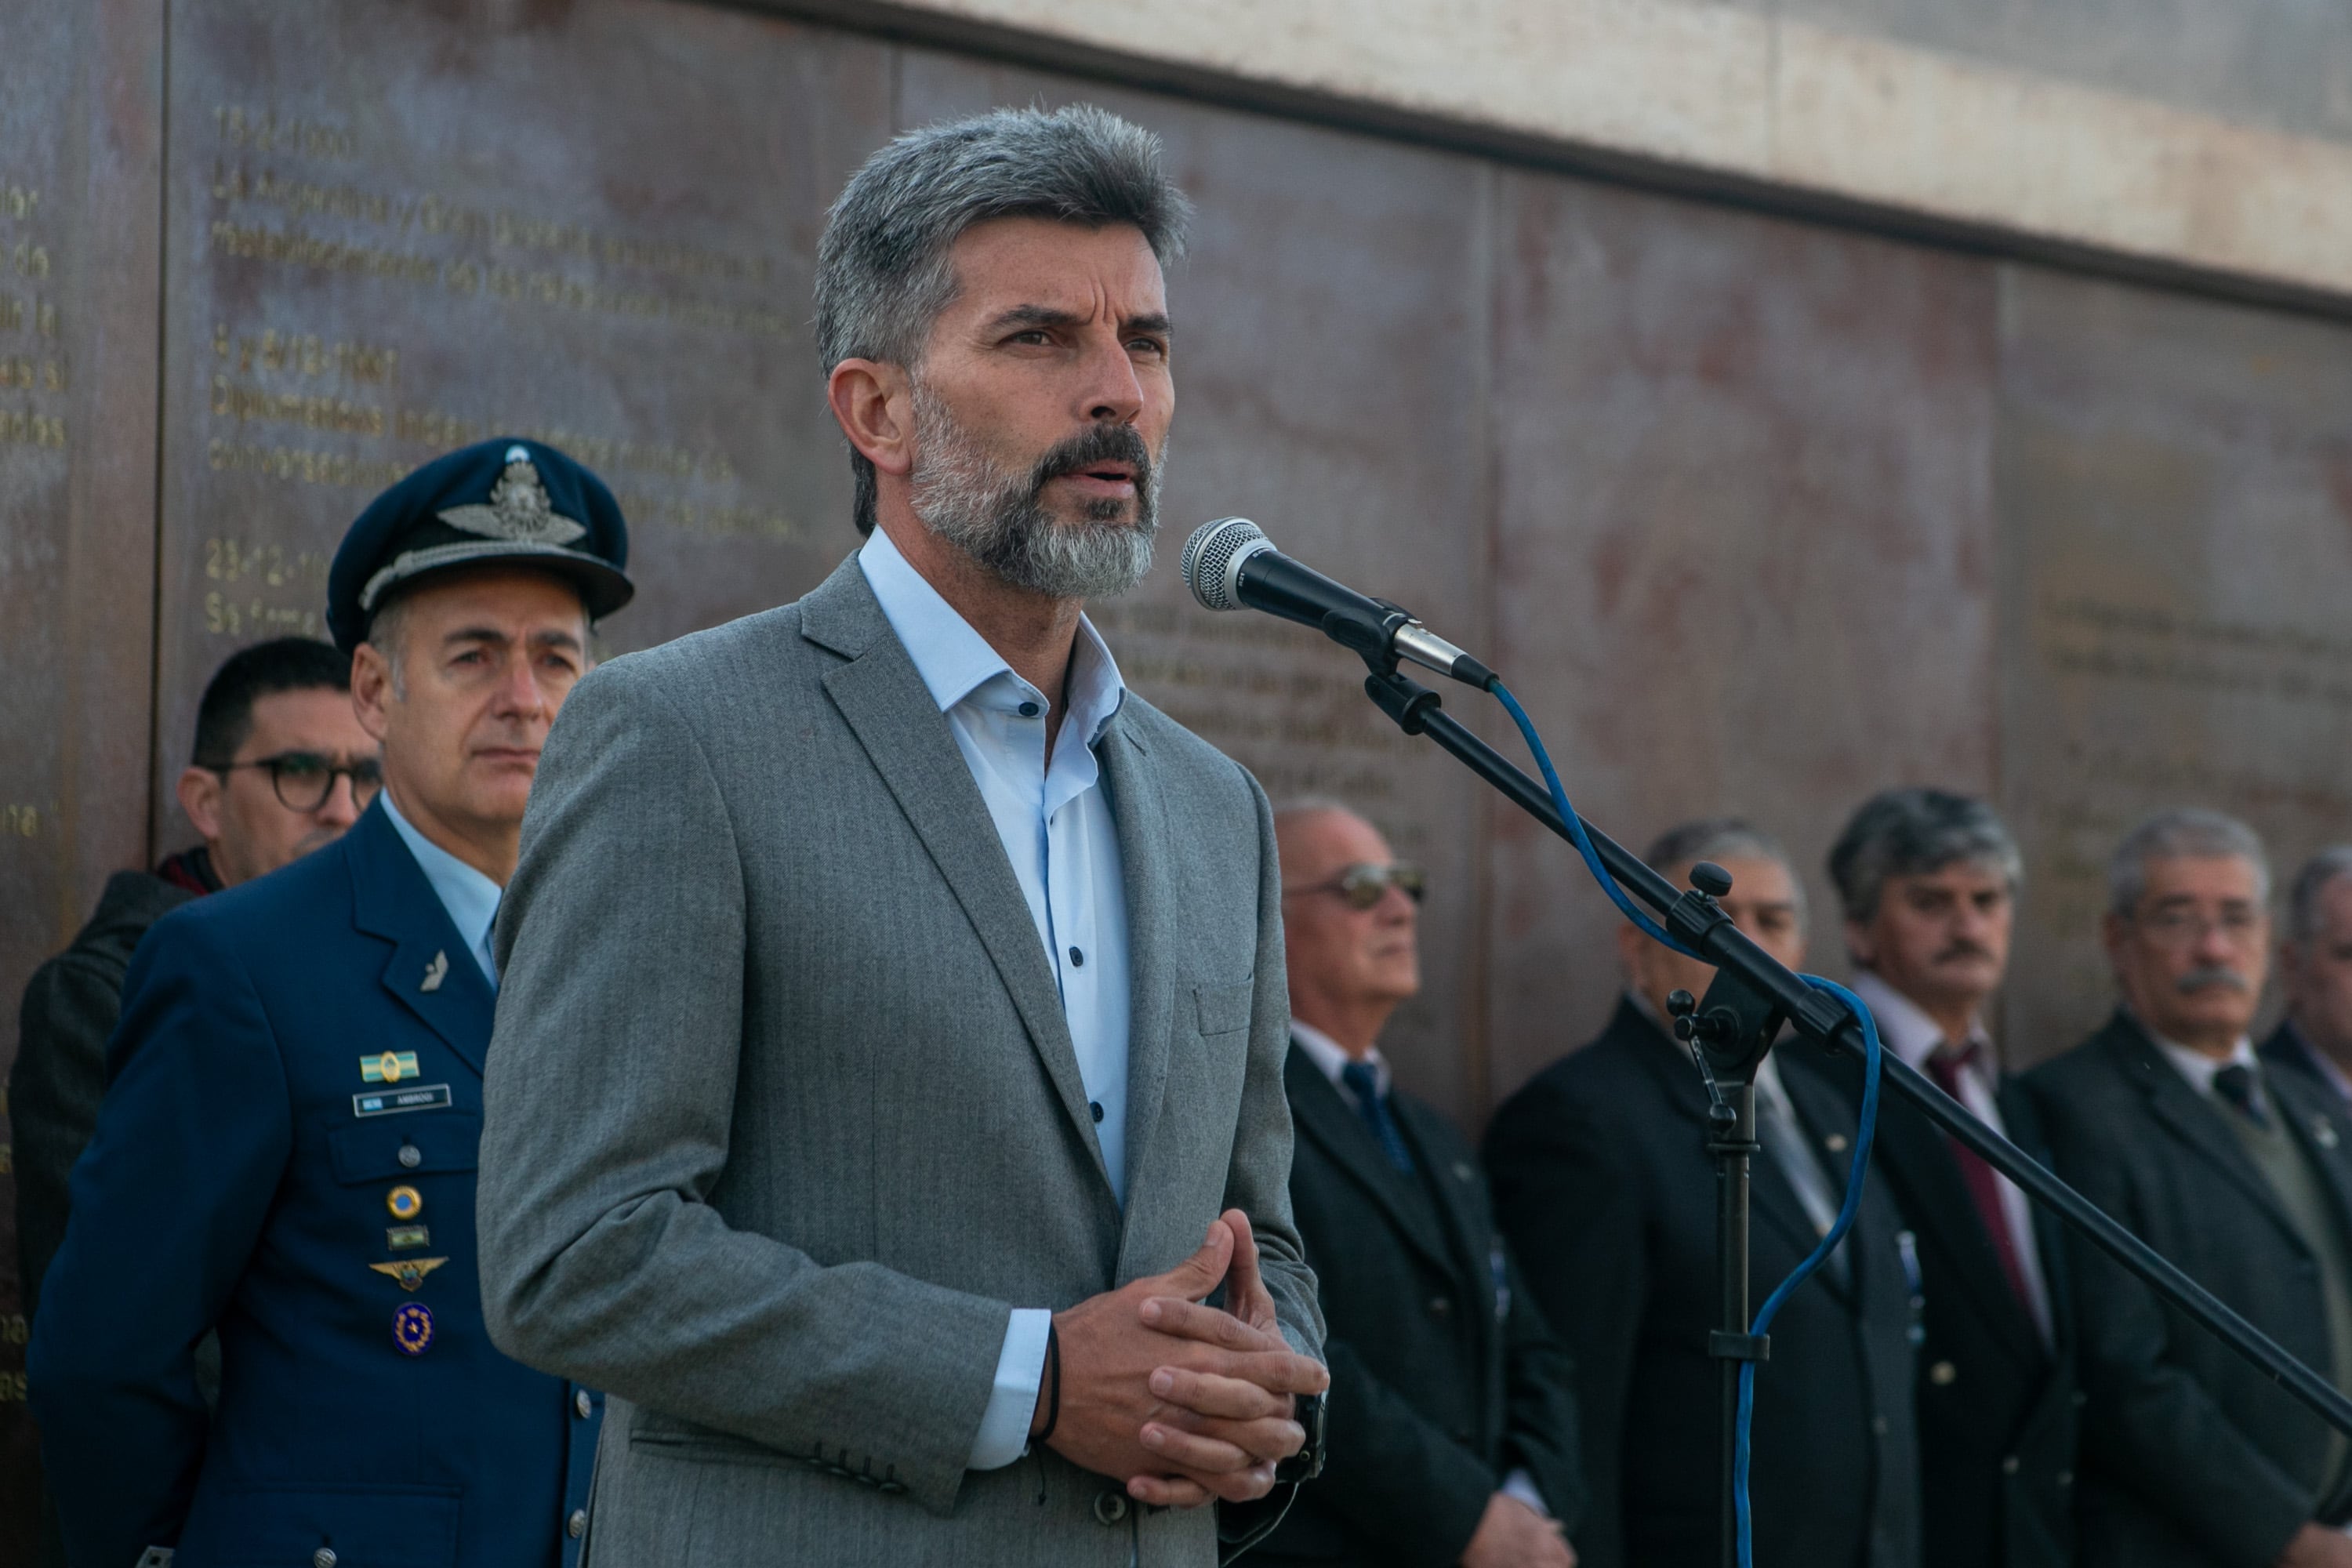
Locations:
(471, 899)
(1054, 823)
(2198, 1069)
(1330, 1056)
(1908, 1031)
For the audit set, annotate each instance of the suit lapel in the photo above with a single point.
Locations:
(2316, 1116)
(430, 971)
(2192, 1121)
(1822, 1113)
(1454, 1184)
(1321, 1115)
(906, 738)
(1920, 1162)
(1143, 861)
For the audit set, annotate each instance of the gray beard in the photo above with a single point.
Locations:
(994, 516)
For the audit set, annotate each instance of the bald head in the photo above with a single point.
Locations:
(1349, 934)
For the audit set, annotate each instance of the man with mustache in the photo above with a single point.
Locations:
(2168, 1121)
(894, 1000)
(1928, 881)
(285, 1152)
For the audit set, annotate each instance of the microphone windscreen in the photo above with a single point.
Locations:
(1212, 554)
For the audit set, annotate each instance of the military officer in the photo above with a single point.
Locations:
(285, 1152)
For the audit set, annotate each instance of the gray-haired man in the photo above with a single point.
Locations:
(2167, 1119)
(893, 1000)
(2314, 1039)
(1928, 881)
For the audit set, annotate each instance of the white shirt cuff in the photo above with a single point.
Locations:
(1521, 1487)
(1020, 1368)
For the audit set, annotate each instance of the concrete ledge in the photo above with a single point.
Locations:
(1719, 95)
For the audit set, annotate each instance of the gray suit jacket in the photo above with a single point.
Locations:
(782, 1117)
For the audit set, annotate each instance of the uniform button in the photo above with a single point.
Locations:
(1078, 959)
(411, 1156)
(583, 1403)
(1028, 710)
(1096, 1106)
(577, 1525)
(323, 1558)
(1110, 1506)
(1943, 1374)
(1439, 1306)
(2009, 1465)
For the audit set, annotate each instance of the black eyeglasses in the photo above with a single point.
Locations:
(305, 781)
(1362, 885)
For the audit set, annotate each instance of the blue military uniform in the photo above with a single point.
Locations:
(286, 1154)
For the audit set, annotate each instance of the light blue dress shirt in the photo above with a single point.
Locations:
(471, 899)
(1054, 822)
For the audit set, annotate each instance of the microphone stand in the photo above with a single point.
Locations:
(1733, 1027)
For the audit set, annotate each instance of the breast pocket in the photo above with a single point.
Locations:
(1222, 1009)
(416, 1145)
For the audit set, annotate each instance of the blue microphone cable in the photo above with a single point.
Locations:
(1863, 1135)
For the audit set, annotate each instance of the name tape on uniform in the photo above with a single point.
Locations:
(391, 1101)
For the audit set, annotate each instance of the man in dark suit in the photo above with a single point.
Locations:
(2167, 1119)
(1453, 1429)
(1928, 880)
(286, 1151)
(2315, 1038)
(1604, 1185)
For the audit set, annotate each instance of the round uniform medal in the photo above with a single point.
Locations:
(412, 1328)
(405, 1203)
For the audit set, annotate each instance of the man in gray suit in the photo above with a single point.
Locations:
(892, 1000)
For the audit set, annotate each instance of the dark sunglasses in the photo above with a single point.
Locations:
(1362, 885)
(305, 781)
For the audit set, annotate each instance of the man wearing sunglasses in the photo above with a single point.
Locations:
(1463, 1445)
(286, 1153)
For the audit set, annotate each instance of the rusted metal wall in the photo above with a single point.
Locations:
(1758, 515)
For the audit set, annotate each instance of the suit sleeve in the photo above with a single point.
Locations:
(608, 1105)
(1394, 1476)
(1574, 1219)
(54, 1089)
(168, 1203)
(2152, 1422)
(1540, 1434)
(1257, 1181)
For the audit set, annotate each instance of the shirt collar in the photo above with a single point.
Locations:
(470, 898)
(1330, 1056)
(2197, 1067)
(1903, 1026)
(955, 661)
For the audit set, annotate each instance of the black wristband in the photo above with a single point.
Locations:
(1053, 1386)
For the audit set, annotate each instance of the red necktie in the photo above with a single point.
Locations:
(1945, 1066)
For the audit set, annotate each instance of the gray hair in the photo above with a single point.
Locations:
(883, 273)
(2182, 833)
(1723, 838)
(2317, 875)
(1911, 832)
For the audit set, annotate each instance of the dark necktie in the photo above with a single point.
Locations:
(1984, 1188)
(2235, 1083)
(1364, 1083)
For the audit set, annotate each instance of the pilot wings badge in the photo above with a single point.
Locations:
(519, 508)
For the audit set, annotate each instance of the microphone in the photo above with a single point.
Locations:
(1231, 563)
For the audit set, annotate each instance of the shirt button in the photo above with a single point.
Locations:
(1078, 959)
(411, 1156)
(1028, 710)
(577, 1525)
(583, 1403)
(1096, 1106)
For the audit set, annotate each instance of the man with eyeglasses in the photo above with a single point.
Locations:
(1461, 1442)
(2168, 1119)
(277, 713)
(287, 1150)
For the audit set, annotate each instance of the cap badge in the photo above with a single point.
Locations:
(518, 509)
